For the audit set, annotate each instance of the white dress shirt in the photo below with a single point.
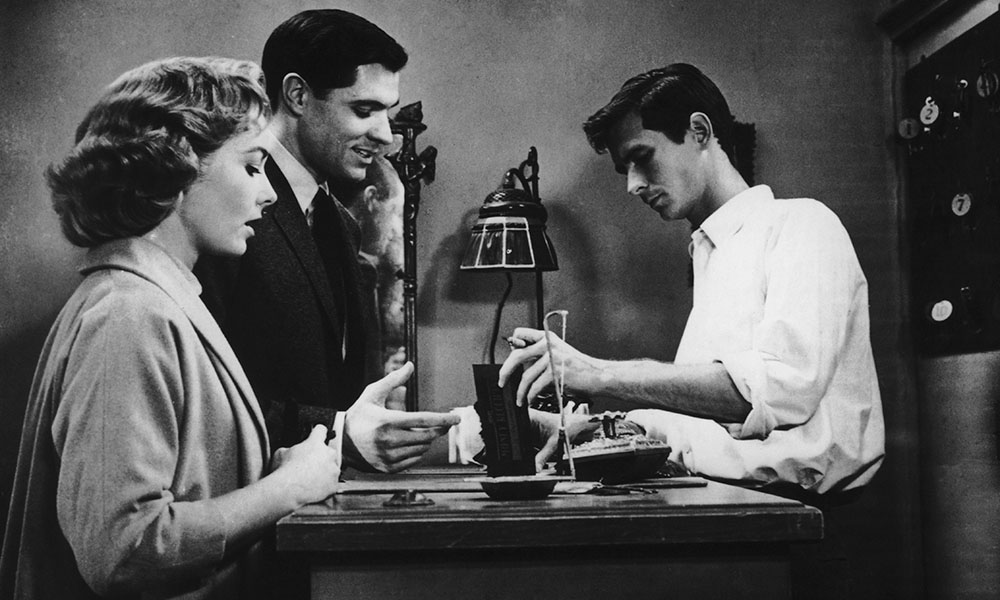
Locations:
(781, 302)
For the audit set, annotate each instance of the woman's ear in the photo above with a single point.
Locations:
(294, 92)
(701, 125)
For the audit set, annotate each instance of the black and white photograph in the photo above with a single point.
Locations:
(500, 299)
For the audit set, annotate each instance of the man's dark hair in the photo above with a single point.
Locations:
(325, 47)
(664, 99)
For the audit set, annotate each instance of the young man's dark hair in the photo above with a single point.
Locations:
(664, 99)
(325, 47)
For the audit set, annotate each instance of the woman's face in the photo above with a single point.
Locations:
(218, 210)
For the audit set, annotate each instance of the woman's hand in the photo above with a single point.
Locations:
(311, 468)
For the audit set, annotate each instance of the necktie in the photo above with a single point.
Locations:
(327, 231)
(340, 261)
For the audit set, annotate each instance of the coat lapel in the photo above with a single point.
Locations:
(291, 222)
(151, 262)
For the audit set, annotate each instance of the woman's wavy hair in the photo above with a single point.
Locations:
(145, 141)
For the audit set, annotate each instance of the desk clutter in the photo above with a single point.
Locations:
(463, 479)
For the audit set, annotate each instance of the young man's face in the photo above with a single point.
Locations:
(340, 134)
(669, 177)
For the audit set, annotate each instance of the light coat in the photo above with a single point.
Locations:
(139, 413)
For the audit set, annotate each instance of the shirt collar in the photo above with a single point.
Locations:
(729, 218)
(301, 181)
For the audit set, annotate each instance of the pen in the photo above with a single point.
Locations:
(516, 343)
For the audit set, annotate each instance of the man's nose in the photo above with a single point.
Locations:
(635, 183)
(381, 131)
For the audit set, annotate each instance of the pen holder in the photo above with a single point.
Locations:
(506, 426)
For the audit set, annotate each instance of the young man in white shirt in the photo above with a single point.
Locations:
(774, 380)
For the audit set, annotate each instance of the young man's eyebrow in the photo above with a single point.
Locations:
(373, 104)
(625, 159)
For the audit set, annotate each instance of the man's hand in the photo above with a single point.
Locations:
(390, 440)
(529, 349)
(545, 432)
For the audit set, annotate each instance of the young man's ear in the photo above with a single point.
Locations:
(294, 90)
(371, 198)
(701, 125)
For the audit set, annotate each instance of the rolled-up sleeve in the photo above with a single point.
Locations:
(117, 433)
(812, 277)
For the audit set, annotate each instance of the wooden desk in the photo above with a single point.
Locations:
(714, 541)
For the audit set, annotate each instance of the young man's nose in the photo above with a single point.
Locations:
(381, 131)
(635, 183)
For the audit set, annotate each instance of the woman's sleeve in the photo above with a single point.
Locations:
(116, 431)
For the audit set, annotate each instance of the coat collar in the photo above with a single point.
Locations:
(300, 181)
(154, 264)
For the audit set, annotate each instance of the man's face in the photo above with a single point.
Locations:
(340, 134)
(669, 177)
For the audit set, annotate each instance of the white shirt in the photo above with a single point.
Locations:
(782, 303)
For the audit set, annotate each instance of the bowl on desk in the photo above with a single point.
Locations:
(519, 487)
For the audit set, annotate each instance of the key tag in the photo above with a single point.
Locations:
(987, 83)
(941, 311)
(908, 128)
(930, 111)
(961, 203)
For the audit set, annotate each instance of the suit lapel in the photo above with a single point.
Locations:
(288, 217)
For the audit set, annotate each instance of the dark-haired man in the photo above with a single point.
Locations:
(291, 306)
(774, 381)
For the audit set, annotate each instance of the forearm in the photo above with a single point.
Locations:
(249, 511)
(704, 391)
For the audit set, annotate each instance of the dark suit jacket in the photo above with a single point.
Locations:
(276, 305)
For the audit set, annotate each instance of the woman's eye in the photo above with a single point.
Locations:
(364, 113)
(253, 170)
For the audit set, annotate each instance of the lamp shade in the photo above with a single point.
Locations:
(510, 232)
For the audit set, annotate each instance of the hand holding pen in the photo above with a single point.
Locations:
(528, 349)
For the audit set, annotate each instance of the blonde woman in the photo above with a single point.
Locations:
(144, 468)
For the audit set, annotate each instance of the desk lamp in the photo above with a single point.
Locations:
(510, 236)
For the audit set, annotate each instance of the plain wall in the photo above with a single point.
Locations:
(496, 78)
